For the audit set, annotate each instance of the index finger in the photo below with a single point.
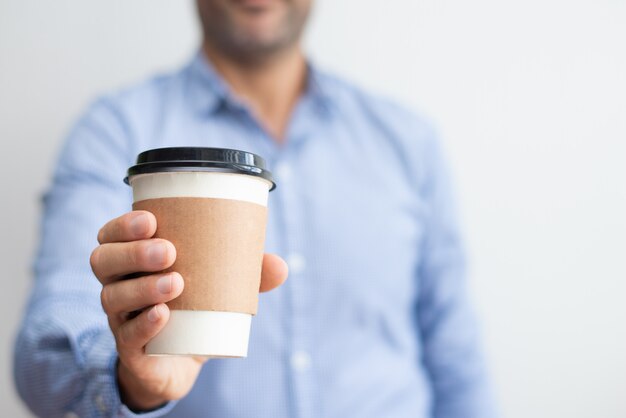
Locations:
(132, 226)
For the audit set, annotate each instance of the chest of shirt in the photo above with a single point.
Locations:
(345, 215)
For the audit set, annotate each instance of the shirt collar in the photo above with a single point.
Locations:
(208, 91)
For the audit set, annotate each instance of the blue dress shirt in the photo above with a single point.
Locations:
(373, 320)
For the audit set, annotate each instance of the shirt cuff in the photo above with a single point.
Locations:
(102, 390)
(123, 410)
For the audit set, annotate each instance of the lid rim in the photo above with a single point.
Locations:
(200, 159)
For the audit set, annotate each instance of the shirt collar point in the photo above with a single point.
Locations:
(209, 93)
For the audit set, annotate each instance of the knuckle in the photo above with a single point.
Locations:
(101, 235)
(136, 255)
(141, 255)
(94, 260)
(141, 288)
(105, 299)
(150, 288)
(123, 225)
(112, 325)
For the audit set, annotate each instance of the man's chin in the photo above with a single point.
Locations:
(261, 30)
(252, 33)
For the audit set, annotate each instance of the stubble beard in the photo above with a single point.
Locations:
(223, 35)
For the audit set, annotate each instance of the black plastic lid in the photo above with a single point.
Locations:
(200, 159)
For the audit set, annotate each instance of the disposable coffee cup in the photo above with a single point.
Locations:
(211, 203)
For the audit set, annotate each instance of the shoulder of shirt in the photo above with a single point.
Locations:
(145, 93)
(124, 119)
(132, 110)
(378, 109)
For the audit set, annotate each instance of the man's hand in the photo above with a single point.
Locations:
(127, 247)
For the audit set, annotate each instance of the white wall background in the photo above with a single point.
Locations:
(531, 100)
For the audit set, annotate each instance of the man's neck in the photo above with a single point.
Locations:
(271, 88)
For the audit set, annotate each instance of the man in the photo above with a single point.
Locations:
(373, 321)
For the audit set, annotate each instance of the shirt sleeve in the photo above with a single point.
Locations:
(447, 325)
(65, 356)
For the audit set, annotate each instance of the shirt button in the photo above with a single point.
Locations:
(300, 361)
(100, 403)
(283, 172)
(296, 263)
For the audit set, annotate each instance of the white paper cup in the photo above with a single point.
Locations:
(202, 332)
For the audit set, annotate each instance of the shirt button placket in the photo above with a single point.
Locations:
(299, 358)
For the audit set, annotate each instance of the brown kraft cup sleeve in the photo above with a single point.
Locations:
(219, 250)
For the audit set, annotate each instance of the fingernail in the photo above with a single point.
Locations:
(164, 284)
(153, 314)
(157, 253)
(139, 224)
